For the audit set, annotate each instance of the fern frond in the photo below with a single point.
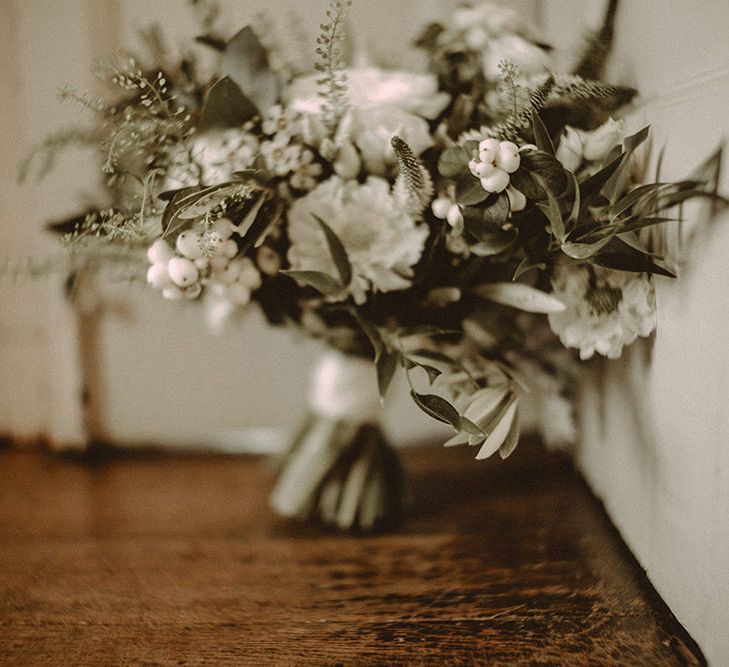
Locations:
(333, 82)
(604, 96)
(511, 128)
(413, 186)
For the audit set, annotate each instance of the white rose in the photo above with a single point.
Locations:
(372, 129)
(528, 57)
(371, 87)
(569, 151)
(597, 144)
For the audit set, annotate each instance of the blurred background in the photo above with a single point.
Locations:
(655, 425)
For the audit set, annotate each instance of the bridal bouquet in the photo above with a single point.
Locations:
(476, 227)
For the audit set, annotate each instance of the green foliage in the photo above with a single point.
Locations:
(245, 63)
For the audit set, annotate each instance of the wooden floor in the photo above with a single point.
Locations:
(177, 561)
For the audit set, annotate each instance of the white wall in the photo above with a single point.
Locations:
(655, 445)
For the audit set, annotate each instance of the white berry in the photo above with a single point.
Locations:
(182, 271)
(158, 277)
(188, 245)
(159, 252)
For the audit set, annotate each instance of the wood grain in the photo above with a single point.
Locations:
(163, 560)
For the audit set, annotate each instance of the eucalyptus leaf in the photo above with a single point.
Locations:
(386, 365)
(497, 210)
(323, 282)
(541, 136)
(634, 263)
(337, 251)
(521, 296)
(498, 435)
(245, 61)
(437, 407)
(584, 250)
(208, 198)
(226, 106)
(469, 190)
(453, 161)
(512, 438)
(527, 264)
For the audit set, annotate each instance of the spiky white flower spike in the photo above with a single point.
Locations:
(414, 186)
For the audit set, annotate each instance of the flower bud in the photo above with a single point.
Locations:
(569, 151)
(182, 271)
(454, 216)
(440, 207)
(348, 163)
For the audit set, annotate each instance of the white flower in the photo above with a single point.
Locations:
(382, 241)
(527, 56)
(281, 158)
(593, 146)
(604, 314)
(371, 130)
(281, 123)
(370, 87)
(569, 151)
(306, 172)
(599, 142)
(212, 158)
(382, 104)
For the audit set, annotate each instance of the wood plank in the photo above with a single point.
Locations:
(177, 560)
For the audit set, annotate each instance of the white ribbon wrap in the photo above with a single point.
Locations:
(345, 387)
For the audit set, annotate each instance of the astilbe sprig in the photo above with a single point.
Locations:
(333, 82)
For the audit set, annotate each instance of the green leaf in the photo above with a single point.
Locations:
(437, 407)
(544, 165)
(226, 106)
(256, 234)
(386, 365)
(541, 136)
(433, 356)
(245, 61)
(512, 438)
(527, 264)
(521, 296)
(498, 434)
(574, 215)
(633, 197)
(453, 161)
(635, 263)
(591, 187)
(497, 211)
(634, 140)
(371, 332)
(584, 250)
(323, 282)
(199, 203)
(339, 254)
(554, 214)
(469, 190)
